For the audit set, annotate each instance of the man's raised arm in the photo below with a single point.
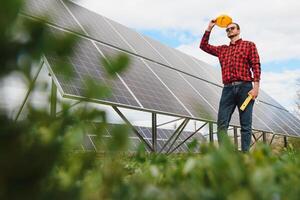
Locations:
(214, 50)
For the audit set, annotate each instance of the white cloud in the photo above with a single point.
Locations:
(282, 86)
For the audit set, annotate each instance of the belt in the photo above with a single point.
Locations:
(235, 83)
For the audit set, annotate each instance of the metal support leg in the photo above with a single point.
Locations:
(132, 127)
(272, 139)
(264, 135)
(235, 136)
(256, 139)
(188, 138)
(169, 122)
(154, 132)
(29, 90)
(183, 127)
(71, 106)
(211, 132)
(285, 141)
(176, 131)
(53, 99)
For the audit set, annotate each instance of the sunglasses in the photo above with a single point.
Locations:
(230, 29)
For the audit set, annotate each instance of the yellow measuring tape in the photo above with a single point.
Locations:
(246, 102)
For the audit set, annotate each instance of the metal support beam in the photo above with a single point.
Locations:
(172, 136)
(253, 132)
(285, 141)
(183, 127)
(71, 106)
(53, 99)
(154, 132)
(272, 139)
(188, 138)
(256, 139)
(132, 127)
(211, 132)
(175, 120)
(235, 136)
(29, 90)
(264, 135)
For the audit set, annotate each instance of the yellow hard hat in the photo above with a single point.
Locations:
(223, 21)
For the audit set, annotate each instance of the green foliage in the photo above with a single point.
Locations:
(37, 160)
(220, 173)
(116, 64)
(36, 157)
(295, 142)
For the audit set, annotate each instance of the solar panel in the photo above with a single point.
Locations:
(139, 45)
(93, 142)
(210, 92)
(278, 116)
(159, 79)
(268, 118)
(193, 101)
(295, 120)
(291, 121)
(194, 68)
(85, 61)
(258, 121)
(97, 26)
(263, 96)
(148, 89)
(214, 73)
(53, 10)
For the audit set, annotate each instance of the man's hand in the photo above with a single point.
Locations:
(211, 24)
(254, 91)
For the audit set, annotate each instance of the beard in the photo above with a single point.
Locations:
(232, 36)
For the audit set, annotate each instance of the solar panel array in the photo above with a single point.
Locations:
(160, 79)
(98, 143)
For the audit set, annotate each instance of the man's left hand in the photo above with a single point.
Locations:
(254, 93)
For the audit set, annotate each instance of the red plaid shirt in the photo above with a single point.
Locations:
(239, 61)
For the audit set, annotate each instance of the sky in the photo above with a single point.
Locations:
(274, 26)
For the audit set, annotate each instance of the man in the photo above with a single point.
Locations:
(240, 67)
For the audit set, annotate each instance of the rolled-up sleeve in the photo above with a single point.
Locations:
(205, 46)
(254, 62)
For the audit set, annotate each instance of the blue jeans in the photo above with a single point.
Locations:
(232, 97)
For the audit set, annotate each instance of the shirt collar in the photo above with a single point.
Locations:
(236, 42)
